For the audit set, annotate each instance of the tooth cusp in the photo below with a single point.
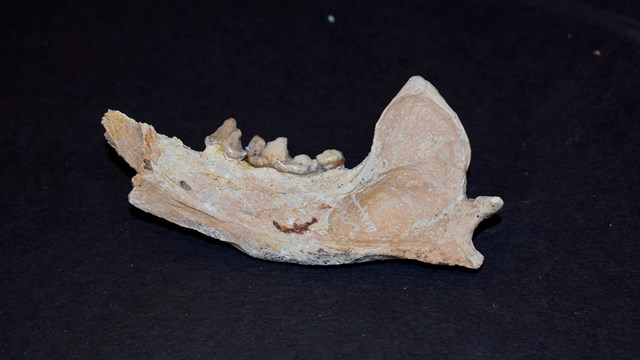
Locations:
(227, 136)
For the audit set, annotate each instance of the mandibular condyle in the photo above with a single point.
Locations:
(395, 204)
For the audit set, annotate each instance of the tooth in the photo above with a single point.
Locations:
(276, 153)
(301, 165)
(330, 159)
(254, 152)
(227, 136)
(305, 160)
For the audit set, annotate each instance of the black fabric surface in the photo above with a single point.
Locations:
(549, 94)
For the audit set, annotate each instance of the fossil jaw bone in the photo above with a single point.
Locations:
(395, 204)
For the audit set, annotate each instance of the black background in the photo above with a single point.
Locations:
(553, 129)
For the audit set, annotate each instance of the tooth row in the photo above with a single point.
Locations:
(272, 154)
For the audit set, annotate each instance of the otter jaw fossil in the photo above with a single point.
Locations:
(395, 204)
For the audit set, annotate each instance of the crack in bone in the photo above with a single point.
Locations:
(371, 227)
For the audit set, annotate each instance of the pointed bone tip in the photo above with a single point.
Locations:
(112, 116)
(496, 202)
(487, 205)
(414, 86)
(117, 124)
(492, 204)
(417, 79)
(125, 135)
(463, 254)
(111, 112)
(468, 255)
(474, 260)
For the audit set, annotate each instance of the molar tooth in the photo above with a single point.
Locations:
(330, 159)
(306, 161)
(276, 153)
(228, 136)
(301, 164)
(272, 154)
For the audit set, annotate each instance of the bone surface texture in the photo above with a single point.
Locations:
(406, 200)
